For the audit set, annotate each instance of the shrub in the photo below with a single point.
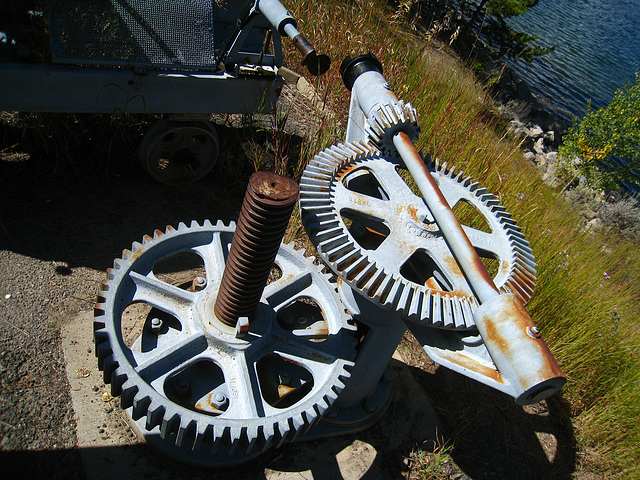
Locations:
(605, 145)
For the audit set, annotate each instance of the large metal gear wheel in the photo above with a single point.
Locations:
(211, 394)
(380, 237)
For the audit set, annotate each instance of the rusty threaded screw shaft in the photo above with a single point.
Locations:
(263, 220)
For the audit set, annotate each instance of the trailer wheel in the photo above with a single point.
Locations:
(175, 152)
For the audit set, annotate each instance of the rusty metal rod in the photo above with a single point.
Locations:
(464, 252)
(263, 220)
(520, 354)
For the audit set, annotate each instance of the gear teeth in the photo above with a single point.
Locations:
(117, 379)
(390, 119)
(128, 397)
(252, 442)
(103, 349)
(155, 415)
(218, 439)
(169, 426)
(268, 435)
(109, 364)
(204, 435)
(98, 310)
(229, 437)
(309, 421)
(186, 434)
(140, 406)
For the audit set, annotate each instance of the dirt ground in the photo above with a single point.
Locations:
(72, 196)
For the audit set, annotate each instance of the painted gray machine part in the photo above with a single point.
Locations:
(510, 354)
(170, 57)
(184, 59)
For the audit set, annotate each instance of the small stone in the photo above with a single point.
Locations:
(538, 147)
(530, 156)
(536, 132)
(595, 224)
(550, 137)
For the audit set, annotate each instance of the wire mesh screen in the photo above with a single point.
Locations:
(160, 33)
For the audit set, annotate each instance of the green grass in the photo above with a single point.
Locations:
(587, 299)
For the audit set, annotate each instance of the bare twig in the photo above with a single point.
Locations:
(17, 328)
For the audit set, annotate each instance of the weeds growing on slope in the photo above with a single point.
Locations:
(587, 300)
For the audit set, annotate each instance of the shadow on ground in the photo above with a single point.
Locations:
(377, 453)
(73, 191)
(493, 438)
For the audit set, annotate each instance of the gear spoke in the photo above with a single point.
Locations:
(159, 294)
(214, 257)
(173, 356)
(285, 289)
(480, 239)
(396, 186)
(363, 204)
(304, 350)
(242, 384)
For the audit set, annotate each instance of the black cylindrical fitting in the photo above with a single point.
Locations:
(316, 63)
(352, 68)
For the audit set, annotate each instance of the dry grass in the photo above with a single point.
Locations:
(587, 299)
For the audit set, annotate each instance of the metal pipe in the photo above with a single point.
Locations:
(468, 259)
(317, 63)
(520, 354)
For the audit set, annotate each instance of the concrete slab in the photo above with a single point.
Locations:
(111, 448)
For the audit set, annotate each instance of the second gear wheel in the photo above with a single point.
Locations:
(216, 395)
(379, 236)
(176, 152)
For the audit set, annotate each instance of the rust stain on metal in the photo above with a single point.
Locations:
(135, 255)
(264, 216)
(206, 405)
(413, 213)
(519, 320)
(505, 268)
(453, 267)
(284, 390)
(272, 187)
(469, 363)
